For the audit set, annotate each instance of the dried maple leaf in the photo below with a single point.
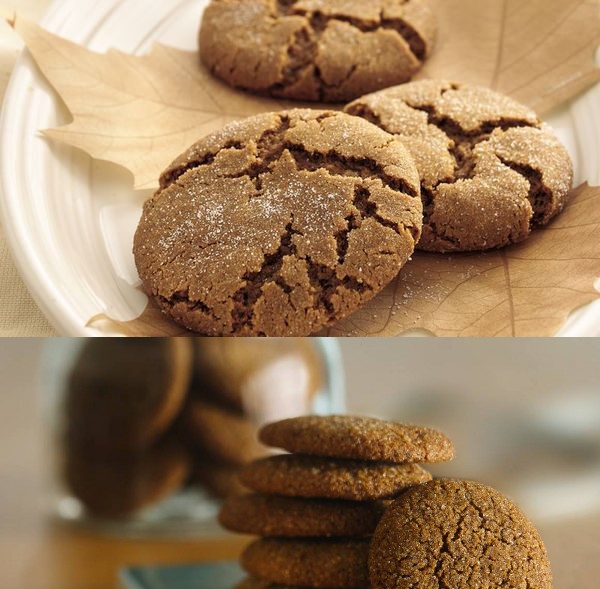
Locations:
(137, 111)
(540, 52)
(151, 323)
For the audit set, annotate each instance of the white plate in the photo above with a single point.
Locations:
(70, 220)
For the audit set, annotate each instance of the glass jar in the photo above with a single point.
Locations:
(148, 435)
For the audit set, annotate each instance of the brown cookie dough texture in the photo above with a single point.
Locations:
(279, 225)
(224, 435)
(316, 563)
(490, 170)
(271, 515)
(359, 438)
(457, 534)
(310, 476)
(327, 50)
(123, 394)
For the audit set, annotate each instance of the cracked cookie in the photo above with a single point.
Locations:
(358, 438)
(279, 224)
(295, 475)
(272, 515)
(123, 394)
(457, 534)
(326, 50)
(315, 563)
(490, 170)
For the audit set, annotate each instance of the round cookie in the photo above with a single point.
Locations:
(310, 476)
(316, 49)
(279, 224)
(358, 438)
(122, 394)
(271, 515)
(246, 374)
(119, 486)
(457, 534)
(316, 563)
(491, 171)
(221, 434)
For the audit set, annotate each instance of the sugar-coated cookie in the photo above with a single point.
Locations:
(457, 534)
(359, 438)
(272, 515)
(328, 50)
(279, 224)
(490, 170)
(311, 476)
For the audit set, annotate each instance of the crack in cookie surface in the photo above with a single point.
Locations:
(483, 137)
(468, 536)
(300, 34)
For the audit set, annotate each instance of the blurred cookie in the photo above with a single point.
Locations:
(311, 476)
(279, 224)
(457, 534)
(271, 515)
(119, 486)
(257, 376)
(219, 478)
(359, 438)
(317, 563)
(316, 49)
(123, 394)
(221, 434)
(490, 170)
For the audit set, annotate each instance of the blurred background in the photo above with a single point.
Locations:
(524, 415)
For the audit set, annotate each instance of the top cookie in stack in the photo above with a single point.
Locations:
(319, 505)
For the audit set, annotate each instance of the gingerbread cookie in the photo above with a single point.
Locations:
(359, 438)
(124, 393)
(271, 515)
(330, 51)
(457, 534)
(315, 563)
(279, 225)
(222, 434)
(311, 476)
(490, 170)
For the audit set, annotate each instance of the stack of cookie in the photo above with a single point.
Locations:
(318, 506)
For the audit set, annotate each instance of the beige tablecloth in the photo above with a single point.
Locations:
(19, 315)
